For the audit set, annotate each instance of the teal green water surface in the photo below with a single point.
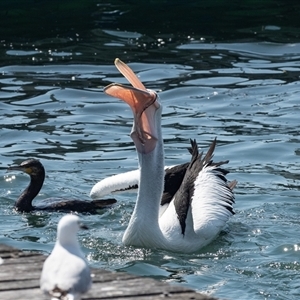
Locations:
(244, 92)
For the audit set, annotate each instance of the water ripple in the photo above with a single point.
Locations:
(245, 94)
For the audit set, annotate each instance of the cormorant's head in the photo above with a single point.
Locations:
(32, 167)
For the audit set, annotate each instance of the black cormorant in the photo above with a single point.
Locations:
(36, 171)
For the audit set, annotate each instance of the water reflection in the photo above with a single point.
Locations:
(245, 94)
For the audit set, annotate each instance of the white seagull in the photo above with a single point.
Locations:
(194, 213)
(66, 274)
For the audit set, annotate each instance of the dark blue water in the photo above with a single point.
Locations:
(245, 93)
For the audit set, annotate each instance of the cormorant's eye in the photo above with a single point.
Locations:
(28, 170)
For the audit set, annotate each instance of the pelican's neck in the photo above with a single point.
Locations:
(151, 183)
(144, 223)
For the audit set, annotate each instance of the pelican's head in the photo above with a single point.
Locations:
(144, 105)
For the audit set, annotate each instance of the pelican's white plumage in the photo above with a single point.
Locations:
(123, 182)
(66, 274)
(116, 183)
(199, 207)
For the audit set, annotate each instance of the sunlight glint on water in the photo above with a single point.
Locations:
(246, 98)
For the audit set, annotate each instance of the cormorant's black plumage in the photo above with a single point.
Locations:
(36, 171)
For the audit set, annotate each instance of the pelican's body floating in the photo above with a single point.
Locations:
(36, 171)
(66, 274)
(129, 181)
(201, 205)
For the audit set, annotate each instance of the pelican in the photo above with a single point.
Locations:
(129, 181)
(203, 202)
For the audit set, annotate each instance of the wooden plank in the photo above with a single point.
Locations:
(20, 274)
(35, 294)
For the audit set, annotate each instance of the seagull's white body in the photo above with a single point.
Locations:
(66, 274)
(201, 205)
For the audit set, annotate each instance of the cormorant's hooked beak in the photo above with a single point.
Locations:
(143, 104)
(19, 168)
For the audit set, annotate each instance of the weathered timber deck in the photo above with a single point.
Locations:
(20, 273)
